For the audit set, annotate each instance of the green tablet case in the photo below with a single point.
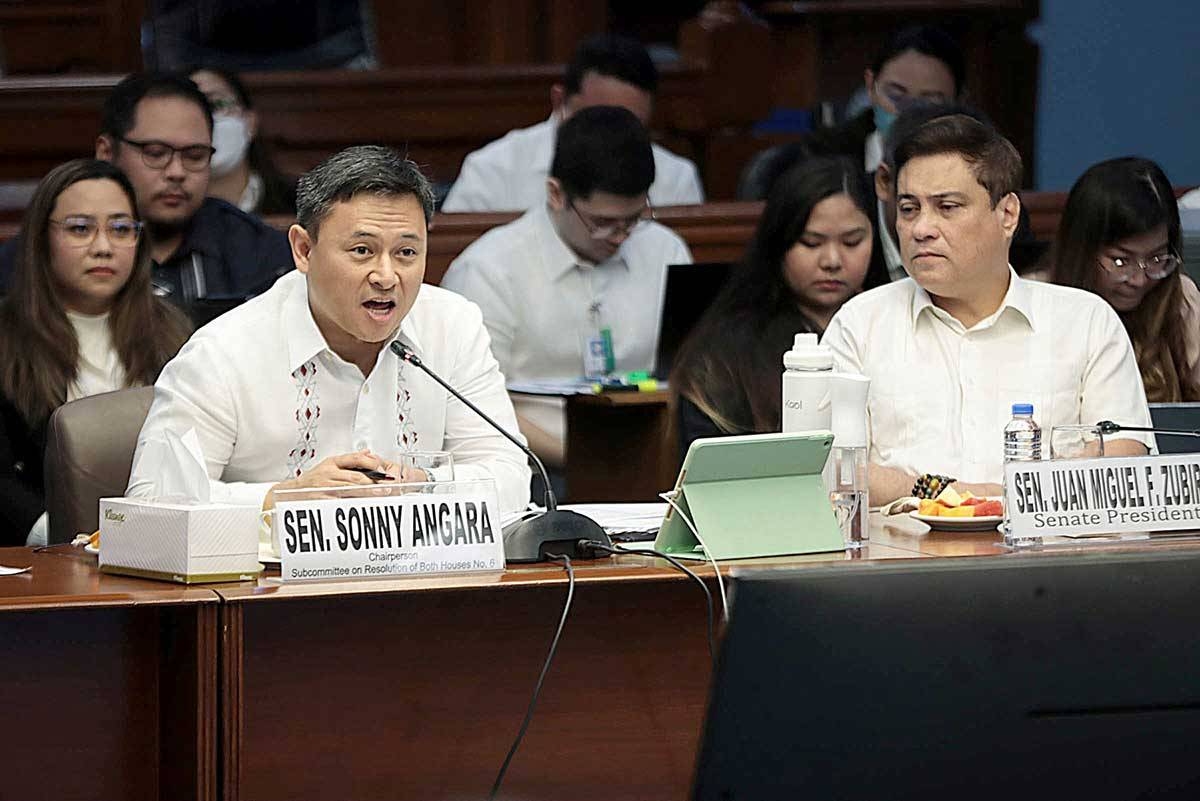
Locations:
(756, 495)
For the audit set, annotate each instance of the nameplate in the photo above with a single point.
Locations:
(449, 528)
(1100, 496)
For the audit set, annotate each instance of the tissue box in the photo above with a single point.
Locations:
(183, 542)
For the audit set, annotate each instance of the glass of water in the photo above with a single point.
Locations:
(1076, 442)
(420, 467)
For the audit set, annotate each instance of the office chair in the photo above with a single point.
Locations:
(89, 453)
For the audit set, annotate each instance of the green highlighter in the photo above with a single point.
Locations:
(751, 496)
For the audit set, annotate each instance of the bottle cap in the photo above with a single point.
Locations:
(1022, 408)
(807, 354)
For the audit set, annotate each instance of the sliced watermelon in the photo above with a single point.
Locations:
(989, 509)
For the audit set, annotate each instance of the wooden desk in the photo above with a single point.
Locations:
(415, 688)
(110, 686)
(620, 447)
(364, 690)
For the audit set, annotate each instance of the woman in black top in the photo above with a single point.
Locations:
(811, 252)
(80, 318)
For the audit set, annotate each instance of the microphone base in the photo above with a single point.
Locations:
(557, 531)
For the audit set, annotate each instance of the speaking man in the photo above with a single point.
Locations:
(299, 388)
(607, 70)
(951, 348)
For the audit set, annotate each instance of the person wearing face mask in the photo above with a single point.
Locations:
(80, 319)
(919, 64)
(1119, 237)
(243, 172)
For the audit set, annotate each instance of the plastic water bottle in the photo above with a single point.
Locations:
(807, 369)
(1022, 443)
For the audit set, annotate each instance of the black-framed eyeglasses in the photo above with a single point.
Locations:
(1155, 267)
(81, 231)
(607, 227)
(157, 155)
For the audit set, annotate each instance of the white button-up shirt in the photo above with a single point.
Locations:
(536, 298)
(510, 174)
(270, 400)
(941, 394)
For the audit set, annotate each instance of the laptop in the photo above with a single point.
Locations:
(690, 290)
(1176, 417)
(1190, 222)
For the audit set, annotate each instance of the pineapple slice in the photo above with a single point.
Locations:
(959, 511)
(929, 508)
(948, 497)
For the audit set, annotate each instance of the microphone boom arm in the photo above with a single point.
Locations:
(407, 355)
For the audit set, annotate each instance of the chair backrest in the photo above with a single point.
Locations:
(89, 453)
(1178, 417)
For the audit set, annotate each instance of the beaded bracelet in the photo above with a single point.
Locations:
(930, 484)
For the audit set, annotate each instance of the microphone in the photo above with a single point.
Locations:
(1109, 427)
(555, 530)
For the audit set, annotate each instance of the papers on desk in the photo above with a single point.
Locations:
(576, 386)
(581, 386)
(628, 521)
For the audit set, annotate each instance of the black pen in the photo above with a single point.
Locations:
(372, 473)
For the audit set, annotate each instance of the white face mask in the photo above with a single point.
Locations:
(230, 137)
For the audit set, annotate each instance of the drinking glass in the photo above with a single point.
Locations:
(1076, 442)
(438, 466)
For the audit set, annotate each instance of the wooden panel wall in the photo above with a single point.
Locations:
(829, 45)
(53, 36)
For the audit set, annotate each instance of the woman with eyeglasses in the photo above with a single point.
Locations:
(811, 253)
(1119, 237)
(80, 318)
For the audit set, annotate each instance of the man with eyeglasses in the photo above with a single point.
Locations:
(158, 129)
(590, 255)
(952, 348)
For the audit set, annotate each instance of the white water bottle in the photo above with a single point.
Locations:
(846, 470)
(1022, 443)
(807, 369)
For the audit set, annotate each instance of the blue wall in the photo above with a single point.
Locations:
(1117, 78)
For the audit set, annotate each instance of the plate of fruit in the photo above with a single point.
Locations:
(954, 511)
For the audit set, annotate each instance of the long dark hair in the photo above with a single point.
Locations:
(730, 365)
(1115, 200)
(279, 190)
(39, 354)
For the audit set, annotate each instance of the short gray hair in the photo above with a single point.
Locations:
(367, 169)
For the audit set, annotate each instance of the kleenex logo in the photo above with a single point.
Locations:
(116, 517)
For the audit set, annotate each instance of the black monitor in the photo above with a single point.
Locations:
(690, 290)
(1176, 417)
(1012, 677)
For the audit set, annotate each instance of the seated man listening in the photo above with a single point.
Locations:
(299, 388)
(949, 350)
(589, 255)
